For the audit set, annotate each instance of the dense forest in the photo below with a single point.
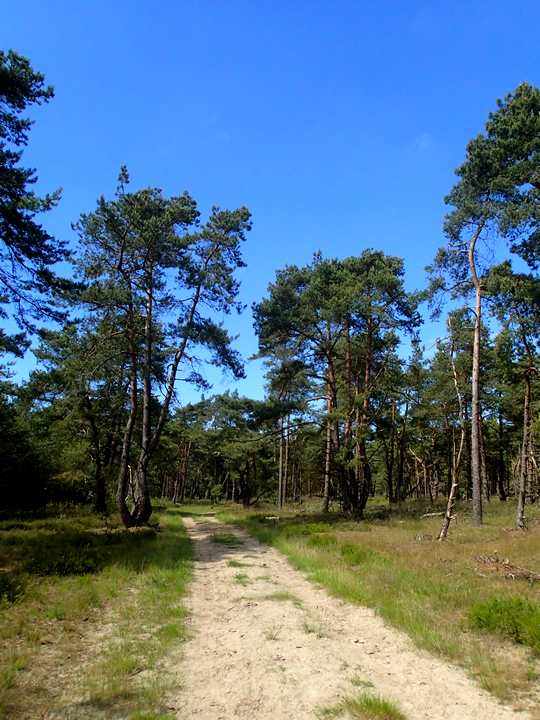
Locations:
(354, 404)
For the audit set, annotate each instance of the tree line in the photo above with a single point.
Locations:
(346, 414)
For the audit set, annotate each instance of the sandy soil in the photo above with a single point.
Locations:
(259, 653)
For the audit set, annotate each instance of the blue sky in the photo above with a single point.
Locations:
(339, 124)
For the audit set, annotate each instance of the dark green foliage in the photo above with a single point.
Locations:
(24, 476)
(12, 586)
(65, 554)
(152, 293)
(73, 551)
(69, 546)
(336, 323)
(26, 250)
(513, 618)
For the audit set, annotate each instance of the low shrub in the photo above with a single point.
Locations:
(513, 618)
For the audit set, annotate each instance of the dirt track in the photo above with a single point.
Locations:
(269, 645)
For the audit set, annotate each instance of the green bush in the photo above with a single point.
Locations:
(58, 557)
(513, 618)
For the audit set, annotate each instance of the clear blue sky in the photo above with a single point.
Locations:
(339, 124)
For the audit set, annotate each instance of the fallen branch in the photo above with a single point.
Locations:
(508, 570)
(516, 573)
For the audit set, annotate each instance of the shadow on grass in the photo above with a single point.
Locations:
(82, 546)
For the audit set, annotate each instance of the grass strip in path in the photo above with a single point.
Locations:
(366, 707)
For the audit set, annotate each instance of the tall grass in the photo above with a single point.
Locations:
(428, 589)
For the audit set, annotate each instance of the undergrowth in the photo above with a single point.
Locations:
(514, 618)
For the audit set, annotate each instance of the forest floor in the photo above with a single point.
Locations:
(269, 644)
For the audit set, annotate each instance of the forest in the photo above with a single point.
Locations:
(150, 545)
(355, 406)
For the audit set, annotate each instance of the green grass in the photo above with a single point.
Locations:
(317, 626)
(273, 632)
(282, 596)
(123, 588)
(242, 579)
(229, 539)
(427, 590)
(366, 707)
(513, 618)
(359, 682)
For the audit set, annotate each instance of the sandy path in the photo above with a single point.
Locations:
(252, 657)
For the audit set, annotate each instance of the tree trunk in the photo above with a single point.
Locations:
(365, 469)
(326, 490)
(142, 509)
(123, 478)
(475, 403)
(100, 504)
(456, 458)
(280, 472)
(486, 490)
(501, 468)
(525, 449)
(286, 462)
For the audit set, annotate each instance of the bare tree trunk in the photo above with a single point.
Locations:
(456, 459)
(500, 470)
(143, 507)
(365, 481)
(486, 491)
(100, 504)
(286, 464)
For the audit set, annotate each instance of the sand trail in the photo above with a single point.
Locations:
(270, 645)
